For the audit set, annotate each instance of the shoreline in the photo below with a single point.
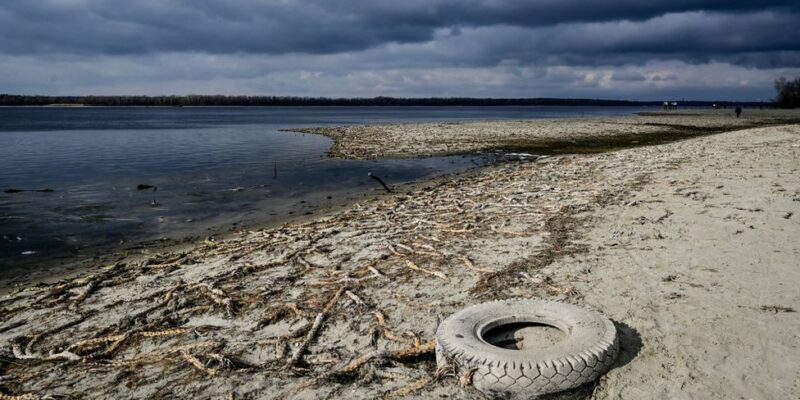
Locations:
(587, 229)
(76, 264)
(73, 266)
(542, 136)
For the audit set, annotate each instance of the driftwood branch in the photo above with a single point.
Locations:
(314, 330)
(379, 181)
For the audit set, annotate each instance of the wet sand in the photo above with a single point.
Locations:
(690, 247)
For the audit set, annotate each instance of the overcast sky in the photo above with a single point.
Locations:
(626, 49)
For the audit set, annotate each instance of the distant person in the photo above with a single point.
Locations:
(738, 111)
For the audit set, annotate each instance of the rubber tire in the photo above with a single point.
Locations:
(588, 350)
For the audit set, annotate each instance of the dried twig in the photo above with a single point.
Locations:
(380, 181)
(315, 327)
(415, 267)
(384, 330)
(195, 362)
(408, 389)
(397, 355)
(26, 396)
(355, 298)
(776, 309)
(468, 263)
(466, 379)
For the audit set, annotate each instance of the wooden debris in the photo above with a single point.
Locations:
(472, 267)
(280, 349)
(375, 271)
(777, 309)
(195, 362)
(26, 396)
(558, 290)
(219, 298)
(355, 298)
(397, 355)
(466, 378)
(415, 267)
(89, 344)
(408, 389)
(315, 327)
(300, 313)
(53, 356)
(385, 331)
(166, 332)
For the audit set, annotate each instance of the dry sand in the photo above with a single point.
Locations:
(691, 247)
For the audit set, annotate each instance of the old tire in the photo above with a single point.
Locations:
(588, 350)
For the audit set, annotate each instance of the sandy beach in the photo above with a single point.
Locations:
(690, 247)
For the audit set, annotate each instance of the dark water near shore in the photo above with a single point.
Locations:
(212, 169)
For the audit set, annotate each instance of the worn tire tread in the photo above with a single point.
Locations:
(524, 377)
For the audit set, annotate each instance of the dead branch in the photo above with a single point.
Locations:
(315, 327)
(415, 267)
(408, 389)
(472, 267)
(195, 362)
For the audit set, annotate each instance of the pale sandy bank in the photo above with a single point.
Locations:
(539, 135)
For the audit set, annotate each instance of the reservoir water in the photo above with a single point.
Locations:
(75, 181)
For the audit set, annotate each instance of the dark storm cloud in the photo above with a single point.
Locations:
(132, 27)
(691, 28)
(764, 39)
(613, 48)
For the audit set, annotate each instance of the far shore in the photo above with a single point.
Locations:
(680, 227)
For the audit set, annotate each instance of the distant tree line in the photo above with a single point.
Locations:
(788, 93)
(220, 100)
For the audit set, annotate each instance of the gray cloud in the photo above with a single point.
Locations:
(323, 27)
(615, 48)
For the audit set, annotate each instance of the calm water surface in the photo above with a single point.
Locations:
(211, 169)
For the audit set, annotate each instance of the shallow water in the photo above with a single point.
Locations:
(210, 169)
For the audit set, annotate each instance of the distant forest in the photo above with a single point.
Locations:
(219, 100)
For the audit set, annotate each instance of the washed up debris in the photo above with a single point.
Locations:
(667, 214)
(373, 176)
(520, 157)
(670, 278)
(408, 389)
(777, 309)
(314, 330)
(462, 338)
